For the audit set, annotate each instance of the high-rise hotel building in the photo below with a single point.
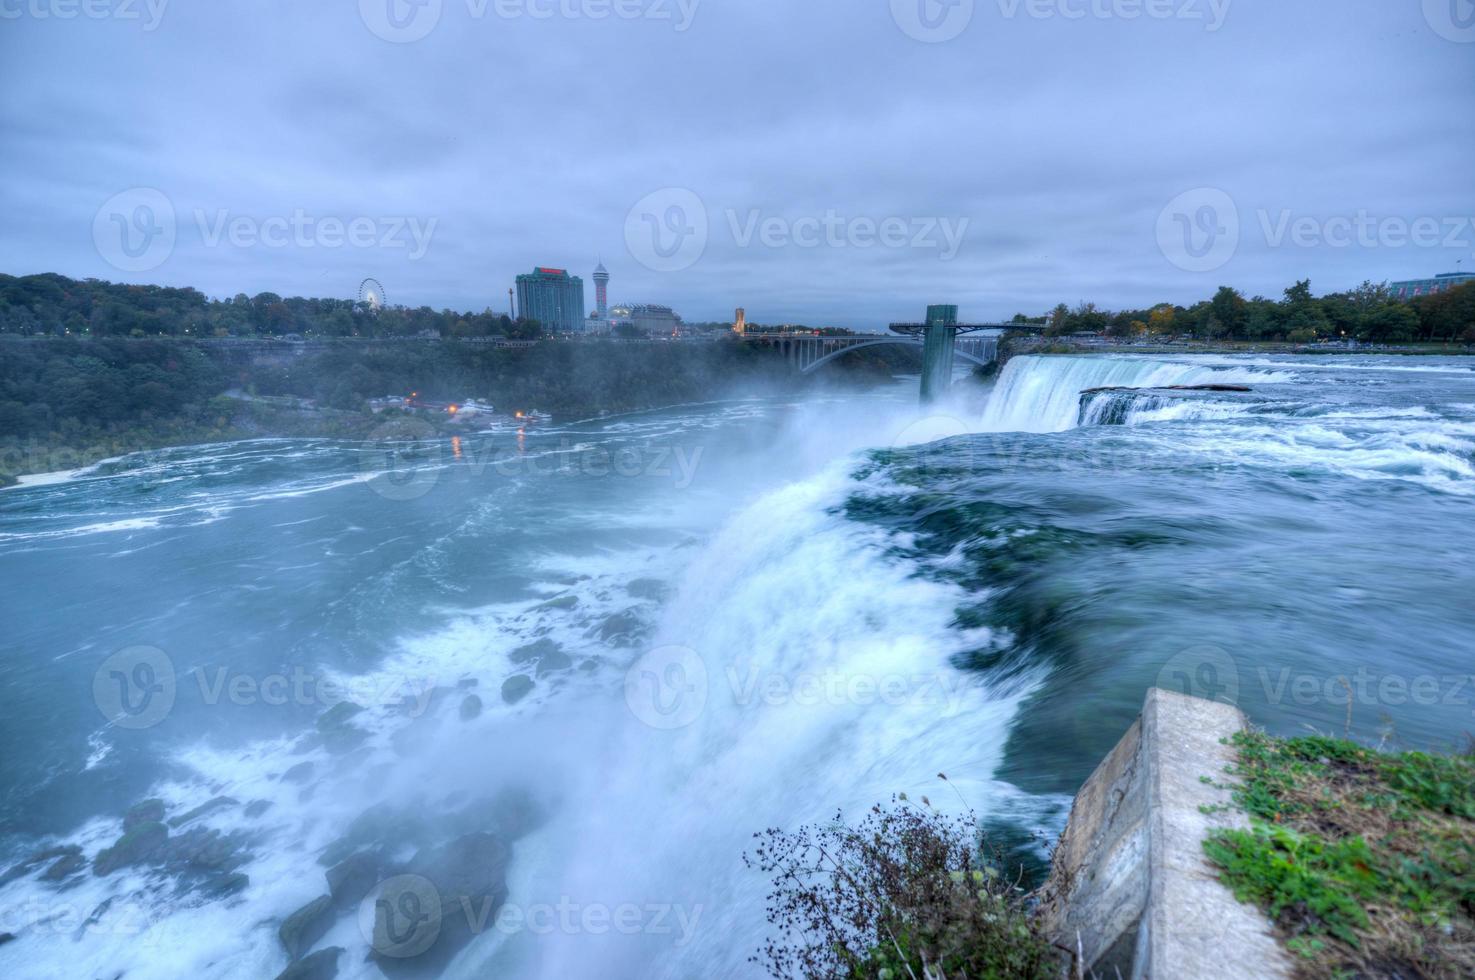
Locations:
(553, 298)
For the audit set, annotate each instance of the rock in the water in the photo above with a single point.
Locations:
(543, 655)
(25, 867)
(622, 629)
(149, 811)
(338, 715)
(350, 879)
(380, 828)
(299, 773)
(204, 808)
(562, 602)
(466, 683)
(202, 849)
(470, 707)
(339, 734)
(6, 937)
(420, 927)
(322, 965)
(65, 866)
(256, 808)
(144, 842)
(306, 926)
(649, 588)
(226, 885)
(516, 687)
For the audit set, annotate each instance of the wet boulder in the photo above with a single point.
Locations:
(299, 773)
(306, 926)
(65, 866)
(37, 858)
(223, 886)
(449, 895)
(516, 687)
(623, 629)
(144, 842)
(380, 828)
(149, 811)
(322, 965)
(336, 726)
(350, 879)
(204, 809)
(649, 588)
(470, 707)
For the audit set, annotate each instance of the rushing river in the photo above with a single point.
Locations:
(685, 626)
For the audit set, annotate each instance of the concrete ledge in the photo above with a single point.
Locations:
(1130, 886)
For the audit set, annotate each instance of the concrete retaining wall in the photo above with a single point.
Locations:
(1130, 886)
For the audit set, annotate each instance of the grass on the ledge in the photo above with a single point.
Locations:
(1365, 860)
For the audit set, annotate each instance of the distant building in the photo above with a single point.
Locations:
(601, 292)
(1441, 283)
(648, 318)
(740, 322)
(553, 298)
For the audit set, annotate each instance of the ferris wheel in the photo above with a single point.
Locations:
(371, 292)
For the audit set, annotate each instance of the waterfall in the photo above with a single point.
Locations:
(1039, 393)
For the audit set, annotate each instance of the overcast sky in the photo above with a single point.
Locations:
(819, 161)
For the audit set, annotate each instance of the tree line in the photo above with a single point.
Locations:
(1368, 313)
(55, 305)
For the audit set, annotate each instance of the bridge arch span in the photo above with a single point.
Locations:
(896, 342)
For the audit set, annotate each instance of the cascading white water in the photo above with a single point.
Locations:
(822, 676)
(1042, 393)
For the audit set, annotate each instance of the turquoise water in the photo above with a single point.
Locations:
(734, 615)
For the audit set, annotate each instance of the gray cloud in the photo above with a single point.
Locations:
(527, 141)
